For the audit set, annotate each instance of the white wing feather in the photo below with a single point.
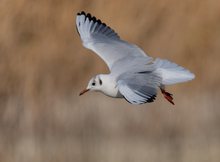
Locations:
(103, 40)
(139, 87)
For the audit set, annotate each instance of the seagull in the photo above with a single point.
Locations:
(134, 75)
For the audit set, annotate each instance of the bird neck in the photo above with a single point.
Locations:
(109, 86)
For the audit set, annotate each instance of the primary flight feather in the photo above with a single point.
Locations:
(133, 75)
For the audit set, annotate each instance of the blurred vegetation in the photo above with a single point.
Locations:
(43, 65)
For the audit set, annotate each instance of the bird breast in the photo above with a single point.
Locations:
(110, 88)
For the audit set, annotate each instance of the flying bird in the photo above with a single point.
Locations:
(134, 75)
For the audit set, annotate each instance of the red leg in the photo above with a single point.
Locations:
(167, 95)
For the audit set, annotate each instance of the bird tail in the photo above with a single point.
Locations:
(172, 73)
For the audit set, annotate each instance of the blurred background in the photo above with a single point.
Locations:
(43, 67)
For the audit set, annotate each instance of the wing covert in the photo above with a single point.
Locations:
(103, 40)
(139, 88)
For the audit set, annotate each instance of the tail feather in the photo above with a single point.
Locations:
(172, 73)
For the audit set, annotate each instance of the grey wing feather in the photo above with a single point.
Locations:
(132, 65)
(139, 88)
(103, 40)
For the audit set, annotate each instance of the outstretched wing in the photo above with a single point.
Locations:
(103, 40)
(139, 88)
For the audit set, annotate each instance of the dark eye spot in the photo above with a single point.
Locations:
(93, 84)
(100, 81)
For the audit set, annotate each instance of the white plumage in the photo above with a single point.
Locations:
(133, 75)
(172, 73)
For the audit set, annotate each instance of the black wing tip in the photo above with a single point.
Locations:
(146, 101)
(152, 98)
(95, 20)
(81, 13)
(90, 17)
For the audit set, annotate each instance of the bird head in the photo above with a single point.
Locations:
(95, 84)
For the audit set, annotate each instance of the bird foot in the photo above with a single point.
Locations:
(167, 95)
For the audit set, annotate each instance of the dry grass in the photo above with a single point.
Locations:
(43, 64)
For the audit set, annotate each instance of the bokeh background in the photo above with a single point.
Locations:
(43, 66)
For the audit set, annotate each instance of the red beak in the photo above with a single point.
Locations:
(84, 91)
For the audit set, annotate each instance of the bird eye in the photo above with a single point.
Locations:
(93, 84)
(100, 81)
